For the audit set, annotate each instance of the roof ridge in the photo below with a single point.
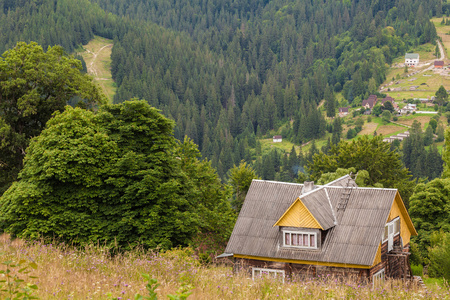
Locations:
(273, 181)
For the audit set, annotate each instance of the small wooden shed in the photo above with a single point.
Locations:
(339, 228)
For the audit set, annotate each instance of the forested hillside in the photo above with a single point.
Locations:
(229, 71)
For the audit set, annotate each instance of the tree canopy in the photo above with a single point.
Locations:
(115, 175)
(33, 85)
(441, 96)
(373, 155)
(240, 178)
(429, 208)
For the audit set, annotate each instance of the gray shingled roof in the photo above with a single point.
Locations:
(412, 55)
(354, 240)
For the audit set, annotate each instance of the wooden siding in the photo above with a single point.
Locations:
(298, 215)
(406, 227)
(301, 270)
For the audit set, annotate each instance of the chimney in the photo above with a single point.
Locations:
(308, 186)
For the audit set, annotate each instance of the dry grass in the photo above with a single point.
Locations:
(90, 273)
(368, 128)
(97, 56)
(409, 120)
(388, 130)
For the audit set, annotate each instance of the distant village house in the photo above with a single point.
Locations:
(389, 99)
(338, 229)
(438, 64)
(370, 102)
(411, 59)
(409, 108)
(343, 111)
(277, 138)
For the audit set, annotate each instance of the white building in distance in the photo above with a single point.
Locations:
(411, 59)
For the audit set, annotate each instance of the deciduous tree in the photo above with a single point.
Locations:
(33, 85)
(116, 176)
(373, 155)
(240, 178)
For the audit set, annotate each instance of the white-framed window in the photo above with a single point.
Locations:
(394, 226)
(300, 239)
(267, 273)
(378, 277)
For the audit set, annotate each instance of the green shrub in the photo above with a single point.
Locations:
(439, 254)
(417, 270)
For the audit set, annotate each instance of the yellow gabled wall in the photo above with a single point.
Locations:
(297, 215)
(398, 209)
(377, 259)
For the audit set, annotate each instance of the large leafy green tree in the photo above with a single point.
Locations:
(441, 96)
(430, 210)
(373, 155)
(240, 178)
(33, 85)
(117, 175)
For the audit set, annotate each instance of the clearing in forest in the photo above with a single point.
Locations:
(97, 55)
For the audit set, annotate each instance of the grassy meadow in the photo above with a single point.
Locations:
(97, 55)
(64, 272)
(443, 31)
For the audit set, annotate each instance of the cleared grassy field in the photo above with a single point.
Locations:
(285, 145)
(97, 55)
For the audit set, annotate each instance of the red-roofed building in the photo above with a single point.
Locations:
(438, 64)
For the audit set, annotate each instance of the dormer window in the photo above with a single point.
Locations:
(300, 239)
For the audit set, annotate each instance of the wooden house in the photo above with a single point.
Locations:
(343, 111)
(370, 102)
(389, 99)
(339, 229)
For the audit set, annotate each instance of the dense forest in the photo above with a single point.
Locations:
(228, 72)
(225, 74)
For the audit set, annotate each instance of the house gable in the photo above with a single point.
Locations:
(398, 209)
(377, 259)
(297, 215)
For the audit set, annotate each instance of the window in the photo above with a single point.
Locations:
(300, 239)
(393, 227)
(396, 226)
(378, 277)
(269, 273)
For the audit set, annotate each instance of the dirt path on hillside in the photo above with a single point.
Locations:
(441, 50)
(92, 68)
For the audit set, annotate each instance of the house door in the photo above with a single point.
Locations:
(390, 236)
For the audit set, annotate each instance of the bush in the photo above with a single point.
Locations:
(351, 133)
(417, 270)
(395, 119)
(439, 254)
